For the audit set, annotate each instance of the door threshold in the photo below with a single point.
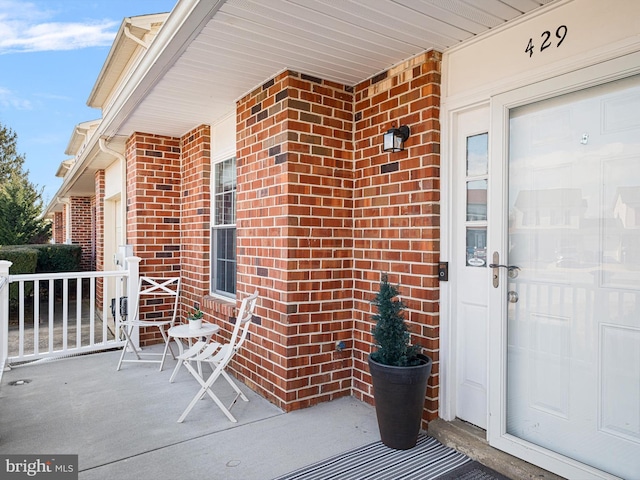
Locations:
(471, 441)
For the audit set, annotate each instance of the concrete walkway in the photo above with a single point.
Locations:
(124, 424)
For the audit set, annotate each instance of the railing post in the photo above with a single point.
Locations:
(133, 266)
(4, 312)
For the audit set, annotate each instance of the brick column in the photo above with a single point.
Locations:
(82, 230)
(153, 213)
(294, 231)
(195, 218)
(58, 227)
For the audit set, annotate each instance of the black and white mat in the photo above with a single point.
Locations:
(429, 459)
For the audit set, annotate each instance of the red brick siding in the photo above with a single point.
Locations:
(153, 213)
(294, 232)
(195, 217)
(58, 227)
(322, 211)
(396, 208)
(82, 231)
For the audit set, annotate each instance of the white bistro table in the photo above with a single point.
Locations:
(184, 331)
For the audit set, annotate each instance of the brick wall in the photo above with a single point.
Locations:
(396, 208)
(153, 213)
(322, 211)
(294, 231)
(58, 227)
(82, 229)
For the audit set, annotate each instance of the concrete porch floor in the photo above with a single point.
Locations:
(124, 425)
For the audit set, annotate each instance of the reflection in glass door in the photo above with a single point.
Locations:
(573, 355)
(477, 161)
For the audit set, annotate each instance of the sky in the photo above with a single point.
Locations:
(51, 52)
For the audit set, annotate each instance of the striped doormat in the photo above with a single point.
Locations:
(429, 459)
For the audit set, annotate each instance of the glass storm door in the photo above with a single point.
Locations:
(573, 308)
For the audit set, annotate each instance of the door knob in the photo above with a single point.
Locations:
(512, 296)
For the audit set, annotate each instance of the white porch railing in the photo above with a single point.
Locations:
(65, 320)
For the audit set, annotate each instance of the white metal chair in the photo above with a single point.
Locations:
(151, 289)
(219, 356)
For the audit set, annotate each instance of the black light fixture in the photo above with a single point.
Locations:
(394, 139)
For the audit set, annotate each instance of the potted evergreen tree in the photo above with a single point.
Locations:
(399, 372)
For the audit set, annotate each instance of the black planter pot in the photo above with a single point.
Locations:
(399, 393)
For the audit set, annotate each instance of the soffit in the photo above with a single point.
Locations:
(247, 42)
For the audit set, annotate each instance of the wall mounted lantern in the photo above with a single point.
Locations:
(394, 139)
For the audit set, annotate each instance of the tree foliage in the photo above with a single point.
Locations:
(391, 334)
(20, 209)
(11, 164)
(21, 204)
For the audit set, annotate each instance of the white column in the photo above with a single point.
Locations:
(4, 312)
(133, 265)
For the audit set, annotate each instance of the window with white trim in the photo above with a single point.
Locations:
(223, 228)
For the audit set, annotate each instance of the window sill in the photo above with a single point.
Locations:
(217, 305)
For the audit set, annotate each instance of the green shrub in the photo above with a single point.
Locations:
(41, 258)
(24, 261)
(57, 257)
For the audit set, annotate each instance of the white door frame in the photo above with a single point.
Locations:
(619, 67)
(500, 105)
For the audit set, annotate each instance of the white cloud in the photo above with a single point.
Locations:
(50, 96)
(25, 28)
(9, 99)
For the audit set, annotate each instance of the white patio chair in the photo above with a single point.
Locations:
(157, 289)
(219, 356)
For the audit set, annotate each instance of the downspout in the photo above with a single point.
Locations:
(83, 132)
(128, 34)
(103, 146)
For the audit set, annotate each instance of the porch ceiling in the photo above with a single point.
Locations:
(245, 42)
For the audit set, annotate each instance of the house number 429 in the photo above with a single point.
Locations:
(548, 40)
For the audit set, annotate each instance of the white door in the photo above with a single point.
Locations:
(470, 151)
(112, 238)
(571, 351)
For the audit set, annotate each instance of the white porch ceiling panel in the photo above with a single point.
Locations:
(247, 42)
